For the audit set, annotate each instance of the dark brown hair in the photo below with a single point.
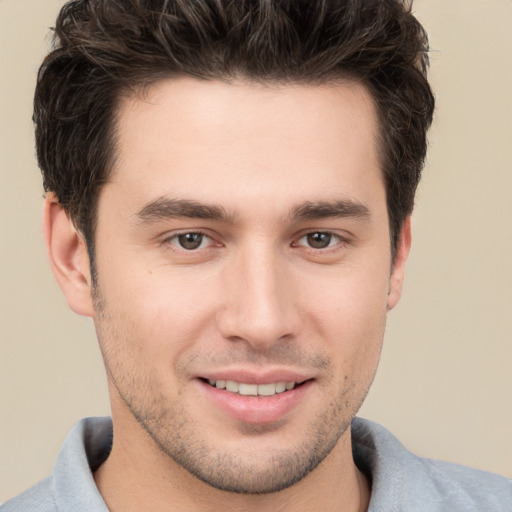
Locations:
(103, 48)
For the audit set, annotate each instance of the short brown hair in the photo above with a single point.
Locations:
(103, 48)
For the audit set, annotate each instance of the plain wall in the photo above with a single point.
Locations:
(444, 386)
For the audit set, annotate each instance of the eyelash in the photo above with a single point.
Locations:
(338, 239)
(329, 248)
(169, 240)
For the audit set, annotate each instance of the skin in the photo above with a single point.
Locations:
(254, 298)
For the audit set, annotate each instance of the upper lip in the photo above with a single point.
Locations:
(254, 376)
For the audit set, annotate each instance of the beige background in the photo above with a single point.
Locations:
(445, 382)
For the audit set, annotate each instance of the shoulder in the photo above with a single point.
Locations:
(466, 487)
(408, 482)
(38, 498)
(71, 485)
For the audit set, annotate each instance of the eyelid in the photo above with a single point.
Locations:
(168, 239)
(341, 240)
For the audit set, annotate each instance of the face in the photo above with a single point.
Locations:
(244, 275)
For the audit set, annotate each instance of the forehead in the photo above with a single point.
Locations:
(207, 140)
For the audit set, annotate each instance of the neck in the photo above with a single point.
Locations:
(138, 476)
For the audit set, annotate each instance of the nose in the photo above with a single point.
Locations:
(258, 305)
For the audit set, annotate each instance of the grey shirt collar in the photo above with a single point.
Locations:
(400, 481)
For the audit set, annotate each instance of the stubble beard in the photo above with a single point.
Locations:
(173, 431)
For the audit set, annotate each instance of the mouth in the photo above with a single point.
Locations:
(245, 389)
(252, 399)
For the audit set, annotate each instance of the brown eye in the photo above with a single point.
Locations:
(190, 241)
(319, 240)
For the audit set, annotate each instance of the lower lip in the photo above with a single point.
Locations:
(256, 409)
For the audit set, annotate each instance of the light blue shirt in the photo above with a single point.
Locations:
(401, 481)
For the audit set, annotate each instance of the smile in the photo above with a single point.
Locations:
(243, 389)
(256, 399)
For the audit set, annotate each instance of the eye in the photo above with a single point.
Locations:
(319, 240)
(190, 241)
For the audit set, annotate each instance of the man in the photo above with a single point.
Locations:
(229, 187)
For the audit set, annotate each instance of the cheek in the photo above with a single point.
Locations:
(349, 300)
(349, 312)
(156, 311)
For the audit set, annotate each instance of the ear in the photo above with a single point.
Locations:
(398, 271)
(68, 257)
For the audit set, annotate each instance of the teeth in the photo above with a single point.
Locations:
(252, 389)
(232, 386)
(267, 389)
(248, 389)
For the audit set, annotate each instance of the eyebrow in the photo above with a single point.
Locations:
(324, 209)
(165, 208)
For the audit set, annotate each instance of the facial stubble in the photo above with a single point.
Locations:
(173, 429)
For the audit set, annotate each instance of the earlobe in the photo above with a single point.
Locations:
(68, 257)
(397, 273)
